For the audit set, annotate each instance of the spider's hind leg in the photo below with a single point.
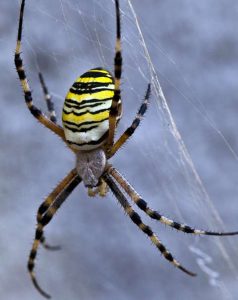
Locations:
(136, 219)
(45, 213)
(47, 204)
(155, 214)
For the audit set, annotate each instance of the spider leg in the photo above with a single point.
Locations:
(48, 246)
(115, 107)
(25, 85)
(136, 122)
(145, 228)
(156, 215)
(48, 202)
(46, 218)
(48, 99)
(55, 193)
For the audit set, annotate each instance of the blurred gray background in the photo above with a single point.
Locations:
(194, 49)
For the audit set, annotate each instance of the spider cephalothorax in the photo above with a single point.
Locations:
(91, 113)
(90, 166)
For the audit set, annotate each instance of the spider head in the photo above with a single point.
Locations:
(90, 166)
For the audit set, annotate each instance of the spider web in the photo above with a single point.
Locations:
(63, 39)
(200, 197)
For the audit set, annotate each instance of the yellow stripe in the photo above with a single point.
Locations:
(86, 117)
(99, 96)
(102, 79)
(99, 70)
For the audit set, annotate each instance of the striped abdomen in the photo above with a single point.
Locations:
(86, 110)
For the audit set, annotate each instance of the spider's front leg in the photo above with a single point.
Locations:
(115, 109)
(48, 99)
(131, 129)
(36, 112)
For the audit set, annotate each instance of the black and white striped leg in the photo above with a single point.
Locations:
(25, 85)
(136, 122)
(48, 202)
(142, 204)
(145, 228)
(116, 105)
(46, 218)
(55, 193)
(48, 99)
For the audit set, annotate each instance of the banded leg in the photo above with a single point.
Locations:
(46, 218)
(55, 193)
(25, 85)
(115, 107)
(48, 99)
(156, 215)
(145, 228)
(48, 202)
(136, 122)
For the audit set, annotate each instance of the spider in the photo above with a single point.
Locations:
(91, 112)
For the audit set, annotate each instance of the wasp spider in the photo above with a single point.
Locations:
(91, 112)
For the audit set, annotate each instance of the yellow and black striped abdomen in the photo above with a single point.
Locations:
(86, 110)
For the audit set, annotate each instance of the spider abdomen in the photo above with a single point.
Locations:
(86, 110)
